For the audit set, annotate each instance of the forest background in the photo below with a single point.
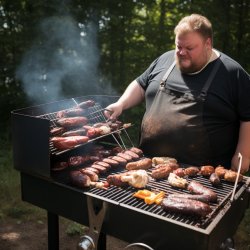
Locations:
(58, 49)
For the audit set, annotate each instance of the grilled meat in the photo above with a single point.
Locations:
(86, 104)
(220, 171)
(59, 166)
(162, 160)
(161, 171)
(70, 122)
(111, 162)
(57, 131)
(179, 172)
(144, 163)
(125, 156)
(103, 164)
(100, 168)
(186, 206)
(132, 154)
(68, 142)
(191, 171)
(122, 162)
(71, 113)
(91, 174)
(197, 197)
(177, 181)
(137, 179)
(81, 131)
(80, 180)
(115, 180)
(206, 170)
(75, 161)
(197, 188)
(214, 179)
(137, 151)
(231, 176)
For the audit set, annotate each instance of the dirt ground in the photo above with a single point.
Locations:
(32, 235)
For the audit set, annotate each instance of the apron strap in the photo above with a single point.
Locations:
(167, 74)
(206, 86)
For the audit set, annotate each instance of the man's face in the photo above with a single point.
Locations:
(192, 51)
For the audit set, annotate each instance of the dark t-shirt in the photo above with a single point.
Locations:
(227, 102)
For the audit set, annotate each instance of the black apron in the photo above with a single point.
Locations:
(173, 125)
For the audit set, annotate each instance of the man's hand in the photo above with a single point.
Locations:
(113, 111)
(244, 165)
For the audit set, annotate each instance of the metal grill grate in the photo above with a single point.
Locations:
(124, 197)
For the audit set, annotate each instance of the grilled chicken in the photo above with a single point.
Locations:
(70, 122)
(231, 176)
(177, 181)
(137, 179)
(68, 142)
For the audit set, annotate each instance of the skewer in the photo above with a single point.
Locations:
(74, 101)
(237, 177)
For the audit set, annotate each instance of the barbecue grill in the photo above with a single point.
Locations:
(113, 211)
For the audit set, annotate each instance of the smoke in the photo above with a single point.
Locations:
(63, 62)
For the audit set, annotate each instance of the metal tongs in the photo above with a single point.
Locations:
(237, 177)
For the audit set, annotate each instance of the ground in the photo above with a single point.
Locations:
(32, 235)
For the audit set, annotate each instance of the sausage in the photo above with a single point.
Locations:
(186, 206)
(115, 180)
(122, 162)
(191, 171)
(137, 151)
(71, 112)
(103, 164)
(214, 179)
(161, 171)
(206, 170)
(125, 156)
(132, 154)
(81, 131)
(197, 188)
(59, 166)
(78, 179)
(144, 163)
(86, 104)
(94, 158)
(91, 174)
(70, 122)
(93, 170)
(117, 150)
(57, 131)
(111, 162)
(100, 168)
(161, 160)
(68, 142)
(197, 197)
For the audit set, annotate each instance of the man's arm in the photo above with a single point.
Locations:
(132, 96)
(243, 147)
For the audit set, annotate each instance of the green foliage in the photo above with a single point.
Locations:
(75, 229)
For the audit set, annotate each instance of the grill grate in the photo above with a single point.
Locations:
(124, 197)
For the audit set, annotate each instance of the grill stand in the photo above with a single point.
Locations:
(96, 215)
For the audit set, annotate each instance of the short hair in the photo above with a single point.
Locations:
(195, 23)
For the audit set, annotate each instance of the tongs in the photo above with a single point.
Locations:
(237, 177)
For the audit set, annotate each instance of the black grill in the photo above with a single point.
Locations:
(150, 224)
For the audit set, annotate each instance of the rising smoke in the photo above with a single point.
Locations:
(63, 62)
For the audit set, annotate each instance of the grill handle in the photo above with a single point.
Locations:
(142, 245)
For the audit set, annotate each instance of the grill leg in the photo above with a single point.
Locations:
(102, 241)
(53, 231)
